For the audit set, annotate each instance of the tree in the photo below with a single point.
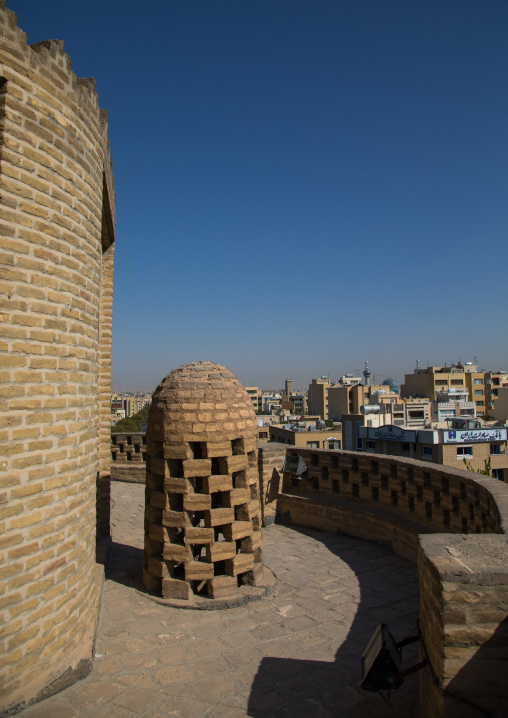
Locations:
(486, 471)
(131, 424)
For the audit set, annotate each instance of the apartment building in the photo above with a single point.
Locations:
(349, 399)
(450, 403)
(317, 398)
(256, 397)
(500, 411)
(482, 387)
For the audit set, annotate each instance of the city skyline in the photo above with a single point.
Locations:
(300, 187)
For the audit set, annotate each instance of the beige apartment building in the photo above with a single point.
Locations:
(317, 399)
(500, 411)
(350, 398)
(256, 398)
(482, 387)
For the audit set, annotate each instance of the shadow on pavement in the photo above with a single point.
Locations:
(125, 565)
(329, 689)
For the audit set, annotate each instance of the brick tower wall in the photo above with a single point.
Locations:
(56, 264)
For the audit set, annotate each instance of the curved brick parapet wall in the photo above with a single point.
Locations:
(57, 228)
(202, 508)
(453, 524)
(423, 495)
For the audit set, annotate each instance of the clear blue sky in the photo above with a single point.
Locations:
(301, 185)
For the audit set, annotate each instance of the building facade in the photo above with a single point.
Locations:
(307, 437)
(482, 386)
(466, 439)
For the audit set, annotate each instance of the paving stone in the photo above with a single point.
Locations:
(143, 644)
(140, 680)
(109, 648)
(173, 674)
(52, 708)
(205, 666)
(139, 661)
(186, 708)
(109, 711)
(301, 623)
(174, 654)
(213, 687)
(106, 667)
(138, 700)
(226, 712)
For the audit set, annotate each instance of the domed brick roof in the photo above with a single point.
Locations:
(200, 399)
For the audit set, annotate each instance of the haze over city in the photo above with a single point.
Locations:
(300, 186)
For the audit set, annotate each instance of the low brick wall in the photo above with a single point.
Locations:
(452, 523)
(270, 463)
(128, 457)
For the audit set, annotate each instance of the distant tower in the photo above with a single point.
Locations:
(289, 387)
(366, 373)
(417, 370)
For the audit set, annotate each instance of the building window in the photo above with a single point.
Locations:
(457, 382)
(263, 435)
(427, 452)
(441, 382)
(371, 445)
(406, 448)
(478, 381)
(479, 403)
(498, 474)
(495, 449)
(478, 392)
(313, 444)
(334, 444)
(464, 451)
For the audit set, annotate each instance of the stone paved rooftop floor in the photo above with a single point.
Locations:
(295, 653)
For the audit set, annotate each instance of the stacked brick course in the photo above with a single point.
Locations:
(56, 264)
(202, 511)
(128, 456)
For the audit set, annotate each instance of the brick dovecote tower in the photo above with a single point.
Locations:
(202, 509)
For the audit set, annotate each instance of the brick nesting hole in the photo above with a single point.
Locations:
(202, 507)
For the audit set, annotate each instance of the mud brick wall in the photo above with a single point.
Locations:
(56, 266)
(202, 508)
(453, 524)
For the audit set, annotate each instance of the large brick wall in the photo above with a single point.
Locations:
(56, 264)
(453, 524)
